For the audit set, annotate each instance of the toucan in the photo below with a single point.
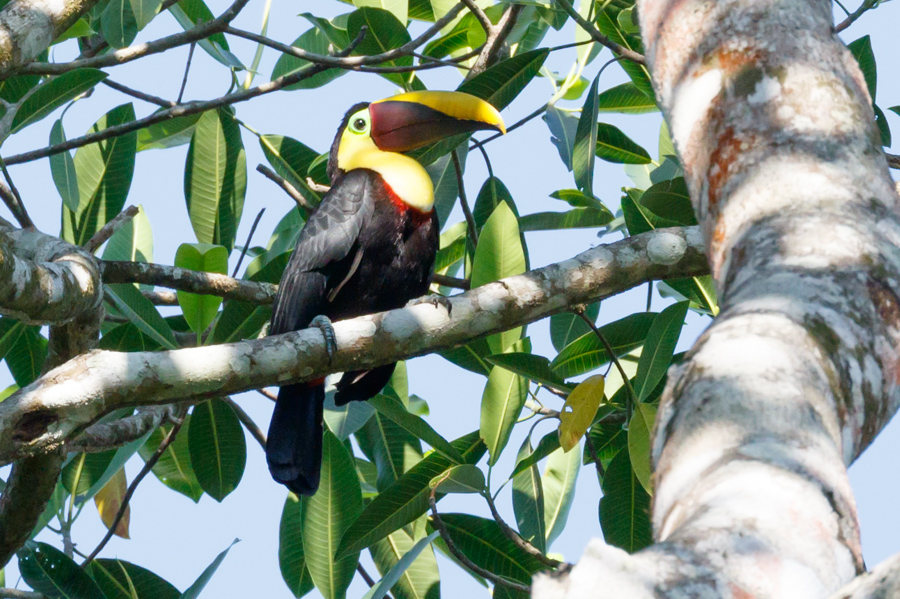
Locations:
(368, 246)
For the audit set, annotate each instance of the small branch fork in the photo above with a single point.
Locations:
(598, 37)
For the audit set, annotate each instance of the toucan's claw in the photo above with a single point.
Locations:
(434, 300)
(323, 323)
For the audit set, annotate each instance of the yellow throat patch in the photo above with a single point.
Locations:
(405, 176)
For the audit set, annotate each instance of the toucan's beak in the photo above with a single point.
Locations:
(415, 119)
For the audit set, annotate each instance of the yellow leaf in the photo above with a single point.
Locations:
(579, 411)
(109, 500)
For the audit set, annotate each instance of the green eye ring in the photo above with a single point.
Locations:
(359, 123)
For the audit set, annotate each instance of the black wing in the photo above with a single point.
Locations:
(324, 253)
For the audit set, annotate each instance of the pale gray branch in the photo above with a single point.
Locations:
(76, 394)
(883, 582)
(110, 435)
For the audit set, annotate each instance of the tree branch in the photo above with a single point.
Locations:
(882, 582)
(46, 279)
(286, 186)
(599, 37)
(139, 94)
(247, 421)
(17, 594)
(102, 236)
(111, 435)
(28, 27)
(182, 279)
(73, 396)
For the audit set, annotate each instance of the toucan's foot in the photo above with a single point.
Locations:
(434, 300)
(323, 323)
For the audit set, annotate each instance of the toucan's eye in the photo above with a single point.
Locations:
(358, 125)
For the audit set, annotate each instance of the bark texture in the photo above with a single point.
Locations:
(799, 372)
(28, 27)
(71, 397)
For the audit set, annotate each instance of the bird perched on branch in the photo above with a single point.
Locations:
(369, 246)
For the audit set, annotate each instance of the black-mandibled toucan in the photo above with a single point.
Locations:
(369, 246)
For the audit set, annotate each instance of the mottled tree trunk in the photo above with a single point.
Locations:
(776, 132)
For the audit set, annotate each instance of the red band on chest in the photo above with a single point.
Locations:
(402, 207)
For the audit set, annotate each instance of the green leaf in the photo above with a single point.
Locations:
(528, 500)
(345, 420)
(190, 13)
(565, 327)
(608, 439)
(54, 94)
(585, 141)
(291, 559)
(547, 445)
(492, 193)
(558, 480)
(446, 187)
(865, 56)
(406, 499)
(217, 448)
(141, 312)
(105, 170)
(636, 72)
(133, 241)
(84, 470)
(174, 466)
(563, 126)
(325, 517)
(398, 8)
(465, 478)
(144, 11)
(395, 411)
(670, 200)
(421, 579)
(13, 89)
(27, 352)
(579, 218)
(471, 356)
(884, 127)
(315, 41)
(625, 507)
(659, 347)
(499, 254)
(394, 574)
(502, 402)
(640, 429)
(215, 178)
(200, 310)
(626, 99)
(579, 199)
(239, 320)
(502, 83)
(587, 353)
(127, 338)
(53, 509)
(49, 571)
(118, 23)
(119, 579)
(534, 367)
(195, 589)
(385, 32)
(62, 169)
(483, 542)
(390, 447)
(700, 290)
(168, 133)
(614, 146)
(80, 28)
(579, 410)
(291, 160)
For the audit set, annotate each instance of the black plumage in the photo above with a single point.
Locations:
(361, 251)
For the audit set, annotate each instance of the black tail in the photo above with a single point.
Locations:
(362, 385)
(294, 444)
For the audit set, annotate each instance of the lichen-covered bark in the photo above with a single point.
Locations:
(799, 372)
(44, 280)
(69, 398)
(28, 27)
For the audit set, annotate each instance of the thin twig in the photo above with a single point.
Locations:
(286, 186)
(480, 15)
(632, 398)
(237, 266)
(139, 94)
(593, 452)
(248, 423)
(365, 575)
(187, 69)
(496, 37)
(598, 37)
(148, 466)
(183, 279)
(893, 160)
(851, 18)
(470, 218)
(317, 187)
(268, 394)
(516, 538)
(100, 237)
(13, 200)
(450, 281)
(181, 110)
(17, 594)
(511, 128)
(160, 298)
(463, 559)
